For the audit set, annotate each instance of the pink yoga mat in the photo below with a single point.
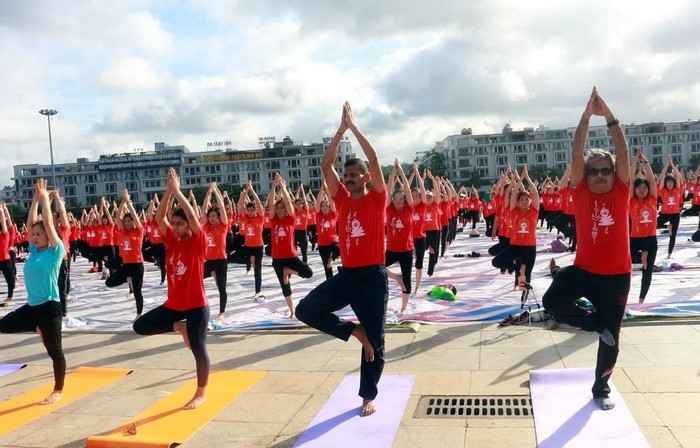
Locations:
(566, 415)
(338, 423)
(6, 369)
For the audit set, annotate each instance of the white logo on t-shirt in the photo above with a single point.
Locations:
(524, 227)
(646, 215)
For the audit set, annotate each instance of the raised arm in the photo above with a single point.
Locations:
(406, 185)
(577, 161)
(534, 194)
(375, 170)
(330, 175)
(622, 166)
(421, 184)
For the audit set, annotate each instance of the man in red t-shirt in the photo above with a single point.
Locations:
(601, 270)
(362, 280)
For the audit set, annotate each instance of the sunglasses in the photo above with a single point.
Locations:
(595, 171)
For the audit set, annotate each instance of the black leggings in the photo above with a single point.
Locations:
(443, 239)
(514, 256)
(64, 284)
(502, 244)
(650, 245)
(7, 271)
(432, 241)
(366, 290)
(608, 294)
(294, 264)
(220, 268)
(161, 319)
(473, 216)
(489, 224)
(158, 252)
(674, 219)
(47, 317)
(419, 244)
(120, 276)
(301, 239)
(327, 253)
(405, 260)
(692, 211)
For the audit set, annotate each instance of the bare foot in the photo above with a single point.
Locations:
(198, 399)
(220, 317)
(51, 399)
(367, 408)
(361, 335)
(181, 327)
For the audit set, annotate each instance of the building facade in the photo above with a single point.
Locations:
(143, 173)
(489, 154)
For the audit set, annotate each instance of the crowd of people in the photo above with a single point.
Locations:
(368, 223)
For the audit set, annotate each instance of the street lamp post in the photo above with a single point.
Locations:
(49, 113)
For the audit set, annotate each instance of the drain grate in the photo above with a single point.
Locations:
(474, 406)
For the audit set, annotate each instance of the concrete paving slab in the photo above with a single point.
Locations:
(501, 438)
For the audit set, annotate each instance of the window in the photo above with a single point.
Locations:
(69, 191)
(657, 160)
(560, 156)
(540, 158)
(152, 184)
(233, 178)
(482, 161)
(519, 149)
(294, 163)
(695, 147)
(521, 159)
(315, 161)
(315, 172)
(189, 171)
(70, 180)
(111, 188)
(502, 160)
(90, 189)
(675, 149)
(272, 164)
(90, 178)
(483, 172)
(152, 174)
(211, 179)
(132, 186)
(295, 174)
(464, 152)
(464, 163)
(111, 177)
(656, 150)
(212, 169)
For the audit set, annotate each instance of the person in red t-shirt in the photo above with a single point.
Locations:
(419, 237)
(63, 228)
(311, 229)
(156, 247)
(215, 229)
(6, 264)
(399, 232)
(694, 188)
(520, 255)
(362, 280)
(284, 250)
(601, 270)
(187, 309)
(670, 188)
(130, 240)
(643, 218)
(301, 223)
(251, 225)
(431, 220)
(566, 223)
(327, 230)
(487, 209)
(105, 233)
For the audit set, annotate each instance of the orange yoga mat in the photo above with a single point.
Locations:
(166, 424)
(25, 408)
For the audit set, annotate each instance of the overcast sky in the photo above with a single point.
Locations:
(129, 73)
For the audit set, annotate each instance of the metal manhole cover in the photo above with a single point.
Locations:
(474, 406)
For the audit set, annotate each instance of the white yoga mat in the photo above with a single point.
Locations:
(566, 415)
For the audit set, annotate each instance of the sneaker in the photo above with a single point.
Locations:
(522, 318)
(93, 270)
(105, 275)
(261, 299)
(507, 321)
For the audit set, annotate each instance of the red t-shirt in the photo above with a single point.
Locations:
(643, 216)
(311, 219)
(301, 218)
(431, 218)
(252, 230)
(418, 220)
(93, 236)
(696, 194)
(524, 226)
(361, 227)
(216, 241)
(463, 203)
(326, 228)
(567, 201)
(155, 235)
(74, 233)
(185, 267)
(549, 201)
(602, 229)
(5, 245)
(266, 221)
(489, 207)
(444, 213)
(399, 228)
(474, 204)
(671, 200)
(130, 242)
(64, 233)
(105, 234)
(283, 237)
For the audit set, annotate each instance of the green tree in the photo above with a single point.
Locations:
(437, 163)
(474, 179)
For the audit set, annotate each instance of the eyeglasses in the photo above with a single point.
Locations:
(595, 171)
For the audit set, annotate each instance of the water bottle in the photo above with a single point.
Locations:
(665, 264)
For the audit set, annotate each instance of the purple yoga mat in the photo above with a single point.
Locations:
(6, 369)
(566, 415)
(338, 423)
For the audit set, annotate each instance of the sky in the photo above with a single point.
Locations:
(126, 74)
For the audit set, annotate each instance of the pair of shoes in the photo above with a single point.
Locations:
(474, 254)
(522, 318)
(93, 269)
(507, 321)
(460, 255)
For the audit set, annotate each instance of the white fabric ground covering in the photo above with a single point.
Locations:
(483, 294)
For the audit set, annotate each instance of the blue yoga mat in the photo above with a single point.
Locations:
(338, 423)
(6, 369)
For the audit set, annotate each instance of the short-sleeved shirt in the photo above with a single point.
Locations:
(489, 207)
(185, 268)
(155, 236)
(326, 228)
(671, 200)
(301, 219)
(399, 228)
(5, 241)
(602, 229)
(311, 220)
(41, 273)
(130, 244)
(105, 233)
(216, 241)
(361, 227)
(251, 229)
(524, 226)
(643, 216)
(418, 220)
(431, 218)
(282, 234)
(444, 213)
(567, 201)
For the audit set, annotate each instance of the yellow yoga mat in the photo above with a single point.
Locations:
(25, 408)
(166, 424)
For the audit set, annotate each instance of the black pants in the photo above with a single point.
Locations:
(650, 245)
(432, 241)
(220, 268)
(502, 244)
(473, 216)
(608, 294)
(366, 290)
(161, 319)
(405, 260)
(444, 239)
(294, 264)
(513, 257)
(301, 239)
(7, 271)
(419, 245)
(489, 224)
(64, 284)
(674, 219)
(73, 245)
(158, 252)
(47, 317)
(313, 235)
(120, 276)
(327, 253)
